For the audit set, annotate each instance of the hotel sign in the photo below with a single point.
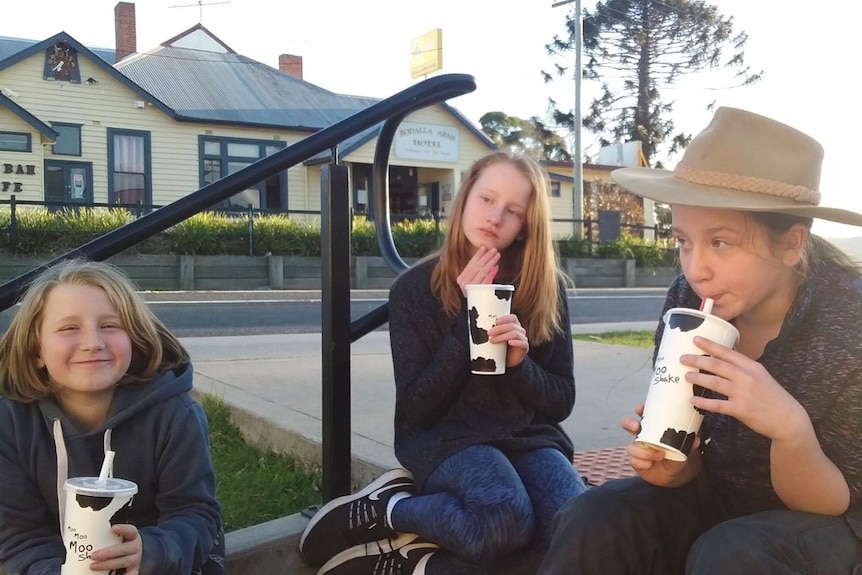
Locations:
(427, 142)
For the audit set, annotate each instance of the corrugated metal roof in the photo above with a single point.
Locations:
(10, 46)
(227, 87)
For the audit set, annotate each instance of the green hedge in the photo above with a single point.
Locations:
(40, 232)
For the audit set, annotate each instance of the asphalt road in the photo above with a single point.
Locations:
(204, 314)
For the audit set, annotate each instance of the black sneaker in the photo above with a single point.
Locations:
(408, 554)
(353, 519)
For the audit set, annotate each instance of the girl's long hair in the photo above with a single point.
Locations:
(154, 348)
(530, 263)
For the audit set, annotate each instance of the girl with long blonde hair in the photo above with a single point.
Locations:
(486, 463)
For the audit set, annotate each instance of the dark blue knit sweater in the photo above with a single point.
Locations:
(442, 408)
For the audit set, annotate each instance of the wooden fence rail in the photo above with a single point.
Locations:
(214, 273)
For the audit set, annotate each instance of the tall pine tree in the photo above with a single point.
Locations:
(637, 48)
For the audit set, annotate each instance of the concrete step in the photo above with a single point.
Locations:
(270, 548)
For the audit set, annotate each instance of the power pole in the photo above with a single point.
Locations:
(577, 154)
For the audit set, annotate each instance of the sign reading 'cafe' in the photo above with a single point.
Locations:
(9, 171)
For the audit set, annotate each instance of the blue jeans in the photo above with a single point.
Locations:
(491, 512)
(628, 527)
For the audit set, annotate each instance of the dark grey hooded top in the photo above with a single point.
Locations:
(161, 440)
(442, 408)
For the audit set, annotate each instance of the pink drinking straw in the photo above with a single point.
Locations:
(492, 274)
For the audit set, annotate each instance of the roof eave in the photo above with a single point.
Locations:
(32, 120)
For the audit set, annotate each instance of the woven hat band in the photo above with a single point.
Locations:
(747, 184)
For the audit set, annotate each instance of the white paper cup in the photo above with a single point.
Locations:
(485, 303)
(91, 509)
(669, 421)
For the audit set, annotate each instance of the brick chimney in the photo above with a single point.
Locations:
(290, 64)
(125, 30)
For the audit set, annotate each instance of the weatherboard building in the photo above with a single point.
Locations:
(96, 126)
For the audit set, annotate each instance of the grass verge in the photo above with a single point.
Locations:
(254, 485)
(632, 338)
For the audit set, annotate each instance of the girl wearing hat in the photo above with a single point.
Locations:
(774, 482)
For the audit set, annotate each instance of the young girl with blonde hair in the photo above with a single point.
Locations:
(486, 462)
(86, 367)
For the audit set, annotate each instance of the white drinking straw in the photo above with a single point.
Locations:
(707, 305)
(107, 467)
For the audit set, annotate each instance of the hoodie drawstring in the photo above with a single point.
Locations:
(62, 470)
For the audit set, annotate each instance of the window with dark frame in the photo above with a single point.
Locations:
(15, 142)
(68, 142)
(555, 189)
(221, 157)
(130, 152)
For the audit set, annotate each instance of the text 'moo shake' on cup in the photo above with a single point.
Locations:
(670, 422)
(93, 505)
(485, 303)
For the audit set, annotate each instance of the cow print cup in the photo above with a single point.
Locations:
(670, 422)
(485, 303)
(92, 507)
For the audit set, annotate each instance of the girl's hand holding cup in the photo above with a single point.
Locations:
(651, 464)
(509, 330)
(127, 555)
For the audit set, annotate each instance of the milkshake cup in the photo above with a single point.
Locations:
(670, 422)
(485, 303)
(93, 505)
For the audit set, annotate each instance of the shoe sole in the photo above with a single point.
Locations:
(423, 563)
(390, 475)
(403, 544)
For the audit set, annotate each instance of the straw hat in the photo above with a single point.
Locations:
(742, 161)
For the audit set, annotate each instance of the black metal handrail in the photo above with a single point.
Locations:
(381, 196)
(337, 335)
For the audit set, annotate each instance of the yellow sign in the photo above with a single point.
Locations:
(426, 53)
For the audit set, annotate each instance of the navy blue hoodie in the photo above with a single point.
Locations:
(441, 408)
(161, 440)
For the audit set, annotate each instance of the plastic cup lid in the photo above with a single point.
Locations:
(95, 487)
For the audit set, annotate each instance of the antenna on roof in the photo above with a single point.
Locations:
(200, 6)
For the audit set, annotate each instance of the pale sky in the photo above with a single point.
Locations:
(363, 47)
